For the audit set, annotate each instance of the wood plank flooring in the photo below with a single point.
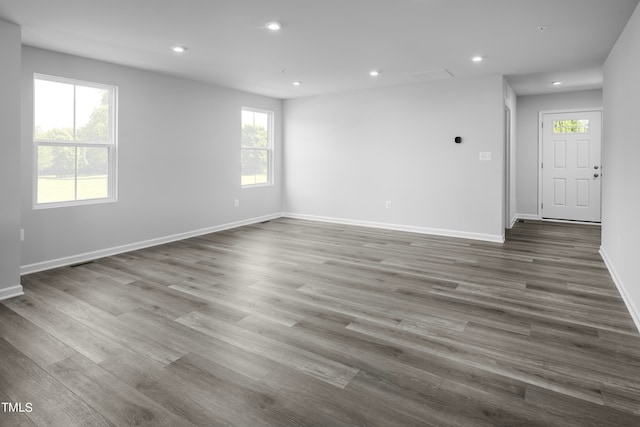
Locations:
(296, 323)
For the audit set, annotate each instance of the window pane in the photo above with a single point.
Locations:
(92, 114)
(255, 136)
(53, 111)
(93, 171)
(261, 120)
(571, 126)
(247, 117)
(255, 167)
(56, 174)
(255, 118)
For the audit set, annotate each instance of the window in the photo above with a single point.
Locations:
(257, 147)
(571, 126)
(74, 137)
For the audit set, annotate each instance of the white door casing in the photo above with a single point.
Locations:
(571, 166)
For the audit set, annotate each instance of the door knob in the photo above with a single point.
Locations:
(596, 167)
(595, 175)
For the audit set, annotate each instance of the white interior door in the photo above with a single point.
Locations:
(571, 166)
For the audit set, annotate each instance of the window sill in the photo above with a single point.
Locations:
(257, 185)
(39, 206)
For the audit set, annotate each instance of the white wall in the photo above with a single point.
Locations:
(527, 139)
(621, 172)
(346, 154)
(178, 169)
(9, 160)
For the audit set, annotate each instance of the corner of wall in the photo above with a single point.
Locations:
(10, 50)
(11, 292)
(628, 301)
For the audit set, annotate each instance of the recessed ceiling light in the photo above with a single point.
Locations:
(297, 83)
(374, 73)
(477, 58)
(556, 83)
(179, 49)
(274, 26)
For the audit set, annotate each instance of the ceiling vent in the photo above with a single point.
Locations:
(427, 76)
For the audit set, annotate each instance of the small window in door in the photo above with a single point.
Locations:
(571, 126)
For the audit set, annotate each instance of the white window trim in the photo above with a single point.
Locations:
(112, 146)
(269, 149)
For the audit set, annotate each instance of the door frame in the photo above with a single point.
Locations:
(541, 113)
(508, 220)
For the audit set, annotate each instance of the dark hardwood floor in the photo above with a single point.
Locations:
(295, 323)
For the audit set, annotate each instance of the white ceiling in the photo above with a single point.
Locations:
(331, 45)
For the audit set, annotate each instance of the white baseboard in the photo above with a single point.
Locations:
(527, 216)
(88, 256)
(397, 227)
(635, 313)
(538, 218)
(10, 292)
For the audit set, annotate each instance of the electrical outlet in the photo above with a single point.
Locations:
(236, 203)
(387, 204)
